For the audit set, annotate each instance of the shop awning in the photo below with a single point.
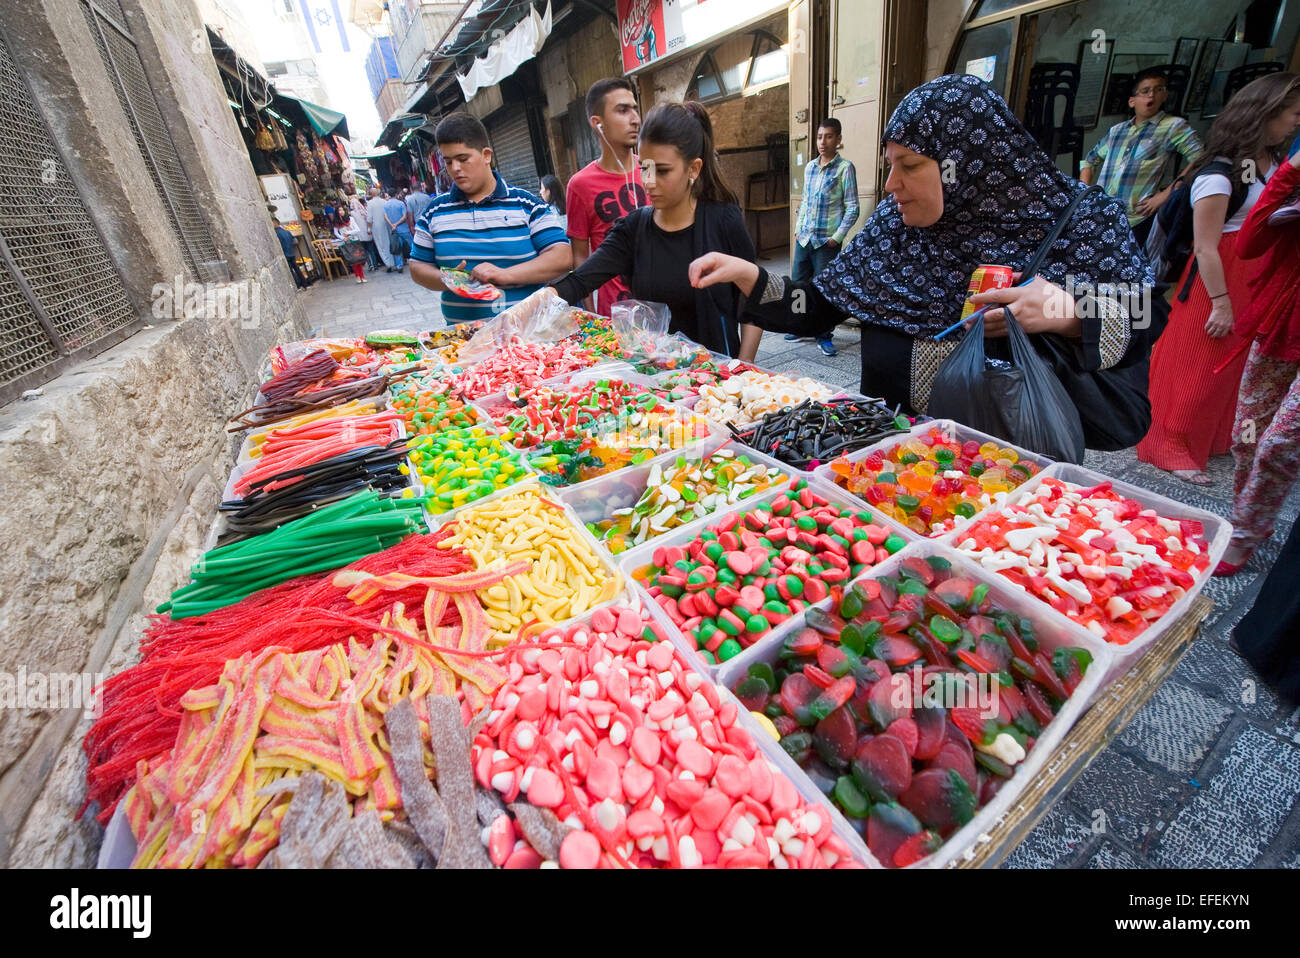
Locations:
(378, 154)
(323, 120)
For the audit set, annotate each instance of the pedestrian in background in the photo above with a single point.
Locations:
(1135, 156)
(290, 248)
(399, 233)
(416, 201)
(1193, 392)
(1266, 434)
(830, 208)
(552, 194)
(361, 224)
(379, 227)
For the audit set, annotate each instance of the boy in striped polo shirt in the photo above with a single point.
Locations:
(503, 235)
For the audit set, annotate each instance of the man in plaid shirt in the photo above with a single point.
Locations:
(1135, 154)
(830, 208)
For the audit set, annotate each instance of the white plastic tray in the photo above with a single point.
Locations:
(960, 433)
(1217, 531)
(641, 556)
(1050, 635)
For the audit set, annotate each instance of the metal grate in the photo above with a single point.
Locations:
(24, 347)
(141, 108)
(60, 293)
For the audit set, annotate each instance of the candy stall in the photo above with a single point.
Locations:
(543, 594)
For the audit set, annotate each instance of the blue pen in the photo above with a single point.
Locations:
(978, 313)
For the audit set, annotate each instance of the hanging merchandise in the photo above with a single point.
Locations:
(277, 135)
(262, 140)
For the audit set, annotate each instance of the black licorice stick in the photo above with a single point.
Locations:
(797, 435)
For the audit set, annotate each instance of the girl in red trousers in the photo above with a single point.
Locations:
(1266, 449)
(1197, 364)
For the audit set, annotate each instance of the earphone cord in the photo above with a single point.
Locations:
(629, 178)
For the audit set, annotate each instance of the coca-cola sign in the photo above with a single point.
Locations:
(652, 29)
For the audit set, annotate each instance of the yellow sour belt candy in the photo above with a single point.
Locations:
(565, 578)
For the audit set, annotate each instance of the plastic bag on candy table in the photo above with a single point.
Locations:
(543, 317)
(642, 332)
(282, 357)
(1021, 401)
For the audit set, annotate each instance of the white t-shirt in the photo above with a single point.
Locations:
(1216, 184)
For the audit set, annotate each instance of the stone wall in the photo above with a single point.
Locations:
(567, 69)
(114, 473)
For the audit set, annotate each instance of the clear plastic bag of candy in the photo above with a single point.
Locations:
(642, 330)
(462, 283)
(542, 317)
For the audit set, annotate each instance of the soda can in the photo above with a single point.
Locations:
(985, 278)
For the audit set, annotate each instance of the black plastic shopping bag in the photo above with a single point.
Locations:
(1021, 401)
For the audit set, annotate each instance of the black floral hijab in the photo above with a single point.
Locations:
(1001, 197)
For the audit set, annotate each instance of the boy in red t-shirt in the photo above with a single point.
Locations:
(606, 189)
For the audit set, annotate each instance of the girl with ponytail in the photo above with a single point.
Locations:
(692, 211)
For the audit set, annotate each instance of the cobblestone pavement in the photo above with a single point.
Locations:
(1206, 775)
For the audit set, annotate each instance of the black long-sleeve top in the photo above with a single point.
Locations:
(653, 263)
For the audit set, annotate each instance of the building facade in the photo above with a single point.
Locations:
(141, 286)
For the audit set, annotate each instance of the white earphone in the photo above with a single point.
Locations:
(628, 178)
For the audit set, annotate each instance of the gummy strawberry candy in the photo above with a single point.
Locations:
(931, 723)
(888, 827)
(957, 759)
(941, 798)
(797, 694)
(917, 847)
(882, 768)
(890, 700)
(836, 738)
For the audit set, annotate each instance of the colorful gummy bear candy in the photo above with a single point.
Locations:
(911, 702)
(931, 484)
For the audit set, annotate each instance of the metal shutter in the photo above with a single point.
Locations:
(513, 147)
(126, 70)
(61, 297)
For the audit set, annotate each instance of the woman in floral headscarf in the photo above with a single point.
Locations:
(968, 185)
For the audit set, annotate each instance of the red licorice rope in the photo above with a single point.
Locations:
(141, 705)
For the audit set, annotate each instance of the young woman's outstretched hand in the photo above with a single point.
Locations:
(714, 268)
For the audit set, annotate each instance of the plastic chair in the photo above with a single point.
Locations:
(329, 258)
(1048, 84)
(1238, 77)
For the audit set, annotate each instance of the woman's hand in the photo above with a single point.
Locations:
(713, 268)
(1040, 307)
(1220, 322)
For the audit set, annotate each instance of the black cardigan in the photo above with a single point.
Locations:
(719, 227)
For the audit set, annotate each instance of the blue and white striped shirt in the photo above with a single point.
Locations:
(508, 227)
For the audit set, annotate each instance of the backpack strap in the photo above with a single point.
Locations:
(1236, 199)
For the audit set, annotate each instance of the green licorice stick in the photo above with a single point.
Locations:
(196, 606)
